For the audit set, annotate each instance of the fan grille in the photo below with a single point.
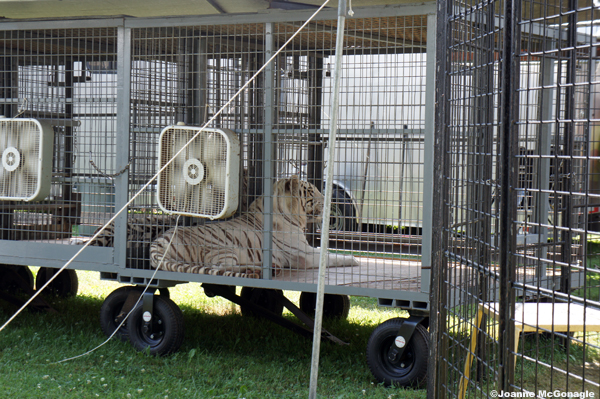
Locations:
(196, 182)
(20, 168)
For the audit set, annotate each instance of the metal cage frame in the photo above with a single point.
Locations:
(110, 262)
(515, 199)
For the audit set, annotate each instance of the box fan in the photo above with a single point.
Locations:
(26, 148)
(203, 180)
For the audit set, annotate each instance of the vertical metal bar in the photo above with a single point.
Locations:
(9, 85)
(428, 155)
(255, 145)
(195, 66)
(436, 369)
(68, 143)
(339, 48)
(201, 81)
(183, 105)
(314, 169)
(567, 161)
(218, 76)
(486, 113)
(541, 198)
(268, 155)
(507, 198)
(122, 141)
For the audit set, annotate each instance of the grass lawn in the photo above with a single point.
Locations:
(224, 355)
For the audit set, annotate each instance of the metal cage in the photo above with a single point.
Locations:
(515, 282)
(110, 86)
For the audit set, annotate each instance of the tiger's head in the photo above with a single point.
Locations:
(298, 201)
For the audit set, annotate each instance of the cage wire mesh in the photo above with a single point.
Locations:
(63, 77)
(186, 73)
(517, 273)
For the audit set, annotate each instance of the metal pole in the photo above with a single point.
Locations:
(268, 154)
(339, 46)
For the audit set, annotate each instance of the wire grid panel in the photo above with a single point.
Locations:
(66, 79)
(187, 73)
(518, 278)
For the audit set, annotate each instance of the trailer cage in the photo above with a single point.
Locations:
(108, 87)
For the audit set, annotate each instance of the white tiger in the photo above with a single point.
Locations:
(235, 247)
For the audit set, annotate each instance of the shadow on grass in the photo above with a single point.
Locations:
(222, 356)
(205, 331)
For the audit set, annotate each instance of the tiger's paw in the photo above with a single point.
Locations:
(351, 261)
(343, 261)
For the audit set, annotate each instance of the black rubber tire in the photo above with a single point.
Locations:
(334, 306)
(267, 298)
(408, 371)
(64, 285)
(167, 333)
(12, 286)
(343, 213)
(110, 310)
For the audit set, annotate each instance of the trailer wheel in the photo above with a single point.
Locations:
(334, 306)
(410, 370)
(111, 310)
(343, 214)
(266, 298)
(163, 334)
(11, 286)
(64, 285)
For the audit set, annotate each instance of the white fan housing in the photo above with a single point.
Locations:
(203, 180)
(26, 148)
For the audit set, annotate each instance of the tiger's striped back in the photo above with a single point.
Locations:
(234, 247)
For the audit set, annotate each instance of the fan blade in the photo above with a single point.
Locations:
(217, 174)
(209, 205)
(213, 148)
(20, 184)
(4, 135)
(179, 185)
(31, 163)
(28, 182)
(8, 137)
(4, 180)
(179, 141)
(193, 198)
(11, 186)
(195, 148)
(28, 139)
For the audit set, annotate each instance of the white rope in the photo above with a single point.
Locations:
(163, 168)
(333, 124)
(134, 306)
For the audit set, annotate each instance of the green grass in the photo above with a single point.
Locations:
(224, 355)
(580, 357)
